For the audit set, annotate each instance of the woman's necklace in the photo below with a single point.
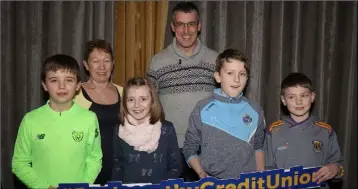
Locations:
(103, 96)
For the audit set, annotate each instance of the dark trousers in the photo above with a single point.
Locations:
(18, 184)
(188, 174)
(104, 176)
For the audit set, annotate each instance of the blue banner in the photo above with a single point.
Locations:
(296, 177)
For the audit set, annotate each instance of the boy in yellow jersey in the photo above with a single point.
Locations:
(58, 142)
(301, 138)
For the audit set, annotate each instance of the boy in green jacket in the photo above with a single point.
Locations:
(58, 142)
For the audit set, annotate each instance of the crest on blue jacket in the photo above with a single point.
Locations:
(247, 119)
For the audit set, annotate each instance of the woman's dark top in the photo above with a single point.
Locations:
(131, 166)
(108, 118)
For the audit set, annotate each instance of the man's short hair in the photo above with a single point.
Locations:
(186, 7)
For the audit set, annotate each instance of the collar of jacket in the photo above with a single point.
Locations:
(219, 96)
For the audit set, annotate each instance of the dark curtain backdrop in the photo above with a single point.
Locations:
(30, 32)
(316, 38)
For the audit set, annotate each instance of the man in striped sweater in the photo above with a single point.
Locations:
(183, 72)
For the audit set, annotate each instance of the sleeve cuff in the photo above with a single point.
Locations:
(191, 157)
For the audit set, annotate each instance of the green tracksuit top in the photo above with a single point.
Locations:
(53, 147)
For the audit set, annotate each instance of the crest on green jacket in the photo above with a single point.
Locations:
(77, 136)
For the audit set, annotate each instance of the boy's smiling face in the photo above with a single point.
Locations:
(232, 77)
(61, 86)
(298, 101)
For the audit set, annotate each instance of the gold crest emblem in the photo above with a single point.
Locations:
(77, 135)
(317, 146)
